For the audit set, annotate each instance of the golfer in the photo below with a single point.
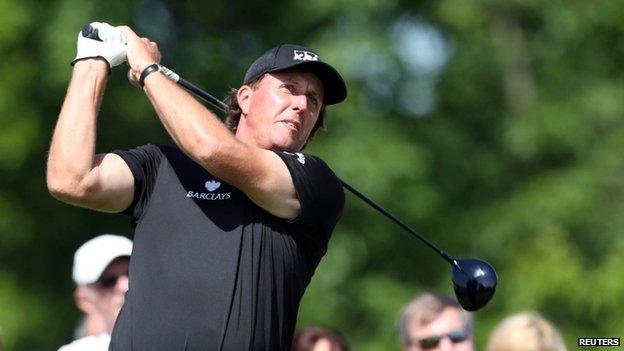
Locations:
(231, 223)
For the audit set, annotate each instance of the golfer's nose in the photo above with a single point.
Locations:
(300, 102)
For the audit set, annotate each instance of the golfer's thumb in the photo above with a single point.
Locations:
(128, 33)
(132, 78)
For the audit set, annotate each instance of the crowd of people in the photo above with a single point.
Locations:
(429, 322)
(434, 322)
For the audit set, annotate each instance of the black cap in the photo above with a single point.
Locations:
(288, 56)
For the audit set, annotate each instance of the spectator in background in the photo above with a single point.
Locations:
(89, 324)
(319, 339)
(101, 276)
(525, 331)
(435, 322)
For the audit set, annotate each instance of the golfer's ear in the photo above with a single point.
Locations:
(243, 96)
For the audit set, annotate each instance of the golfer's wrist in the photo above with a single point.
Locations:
(88, 67)
(91, 64)
(146, 72)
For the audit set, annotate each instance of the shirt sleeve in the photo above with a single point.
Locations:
(320, 193)
(143, 162)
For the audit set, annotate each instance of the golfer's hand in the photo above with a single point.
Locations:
(141, 52)
(112, 48)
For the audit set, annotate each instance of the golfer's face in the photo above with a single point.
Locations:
(447, 332)
(284, 108)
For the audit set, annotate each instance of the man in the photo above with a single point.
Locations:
(435, 322)
(101, 276)
(229, 226)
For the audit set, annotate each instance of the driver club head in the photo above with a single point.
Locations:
(474, 282)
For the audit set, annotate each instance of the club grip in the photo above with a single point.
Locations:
(88, 31)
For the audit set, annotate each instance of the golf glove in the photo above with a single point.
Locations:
(112, 46)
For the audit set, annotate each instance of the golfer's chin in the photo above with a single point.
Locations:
(286, 143)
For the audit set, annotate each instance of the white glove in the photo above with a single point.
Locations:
(112, 47)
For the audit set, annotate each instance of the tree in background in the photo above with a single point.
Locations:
(494, 127)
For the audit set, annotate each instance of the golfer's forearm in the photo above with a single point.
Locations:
(259, 173)
(196, 130)
(72, 150)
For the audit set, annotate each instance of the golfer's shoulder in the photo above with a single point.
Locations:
(158, 151)
(320, 165)
(312, 170)
(141, 150)
(307, 162)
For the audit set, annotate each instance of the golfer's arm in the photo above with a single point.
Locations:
(76, 175)
(260, 174)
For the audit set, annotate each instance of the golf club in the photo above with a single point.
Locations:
(474, 280)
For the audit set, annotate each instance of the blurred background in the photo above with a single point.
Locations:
(494, 127)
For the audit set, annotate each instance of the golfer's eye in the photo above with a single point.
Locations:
(313, 99)
(289, 88)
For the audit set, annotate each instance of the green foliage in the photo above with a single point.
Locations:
(511, 151)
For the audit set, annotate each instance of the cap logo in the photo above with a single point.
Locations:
(301, 55)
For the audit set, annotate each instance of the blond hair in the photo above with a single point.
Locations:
(525, 331)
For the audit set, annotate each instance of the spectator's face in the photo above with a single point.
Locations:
(109, 291)
(447, 332)
(281, 112)
(322, 345)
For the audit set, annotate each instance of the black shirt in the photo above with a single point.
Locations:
(211, 270)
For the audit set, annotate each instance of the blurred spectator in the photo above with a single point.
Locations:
(101, 276)
(525, 331)
(90, 324)
(435, 322)
(319, 339)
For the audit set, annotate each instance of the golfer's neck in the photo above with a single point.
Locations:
(251, 137)
(246, 136)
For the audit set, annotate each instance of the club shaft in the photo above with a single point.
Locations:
(221, 106)
(203, 94)
(393, 218)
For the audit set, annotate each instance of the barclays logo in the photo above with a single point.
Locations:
(212, 185)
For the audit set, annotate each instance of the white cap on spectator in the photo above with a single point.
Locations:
(92, 258)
